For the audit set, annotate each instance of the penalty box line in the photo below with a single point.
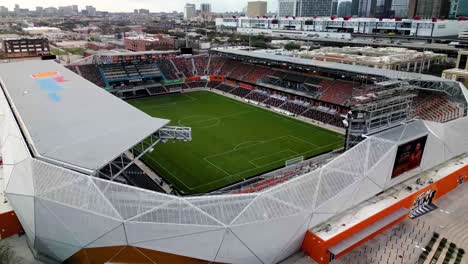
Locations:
(228, 175)
(272, 154)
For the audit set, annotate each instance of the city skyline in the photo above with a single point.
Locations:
(129, 6)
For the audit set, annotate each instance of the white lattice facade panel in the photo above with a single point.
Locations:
(274, 235)
(114, 237)
(232, 250)
(455, 136)
(178, 212)
(223, 208)
(24, 210)
(393, 134)
(20, 180)
(15, 150)
(86, 226)
(70, 188)
(353, 161)
(293, 244)
(299, 192)
(381, 172)
(435, 152)
(54, 249)
(413, 130)
(264, 208)
(364, 188)
(140, 232)
(339, 202)
(331, 183)
(130, 201)
(377, 150)
(45, 219)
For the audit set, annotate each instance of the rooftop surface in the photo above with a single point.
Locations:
(69, 120)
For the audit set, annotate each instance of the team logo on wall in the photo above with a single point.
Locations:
(51, 82)
(423, 204)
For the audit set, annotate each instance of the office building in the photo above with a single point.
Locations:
(287, 8)
(309, 8)
(334, 7)
(400, 8)
(429, 8)
(458, 8)
(91, 10)
(189, 11)
(345, 9)
(3, 11)
(354, 7)
(256, 8)
(205, 8)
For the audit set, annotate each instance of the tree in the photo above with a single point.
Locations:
(292, 46)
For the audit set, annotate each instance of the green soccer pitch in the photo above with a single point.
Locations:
(231, 140)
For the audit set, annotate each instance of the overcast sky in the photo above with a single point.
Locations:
(129, 5)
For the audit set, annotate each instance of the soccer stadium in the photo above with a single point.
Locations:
(234, 156)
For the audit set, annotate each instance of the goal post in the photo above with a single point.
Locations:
(293, 161)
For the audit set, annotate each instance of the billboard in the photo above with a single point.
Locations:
(409, 156)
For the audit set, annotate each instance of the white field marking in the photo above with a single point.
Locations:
(234, 150)
(260, 109)
(233, 175)
(172, 174)
(225, 172)
(245, 142)
(305, 141)
(213, 118)
(261, 157)
(181, 123)
(164, 102)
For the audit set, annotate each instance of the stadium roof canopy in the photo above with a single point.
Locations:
(134, 53)
(68, 120)
(364, 70)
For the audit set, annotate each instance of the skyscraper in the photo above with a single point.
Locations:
(344, 8)
(366, 8)
(458, 8)
(400, 8)
(307, 8)
(383, 8)
(375, 8)
(256, 8)
(205, 8)
(189, 11)
(287, 8)
(429, 8)
(334, 11)
(91, 10)
(354, 7)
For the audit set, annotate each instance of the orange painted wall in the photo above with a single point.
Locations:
(217, 78)
(9, 225)
(128, 254)
(193, 79)
(318, 249)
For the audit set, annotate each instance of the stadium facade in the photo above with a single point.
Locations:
(59, 131)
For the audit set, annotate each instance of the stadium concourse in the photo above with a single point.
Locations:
(74, 176)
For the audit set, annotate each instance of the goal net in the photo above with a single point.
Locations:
(294, 161)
